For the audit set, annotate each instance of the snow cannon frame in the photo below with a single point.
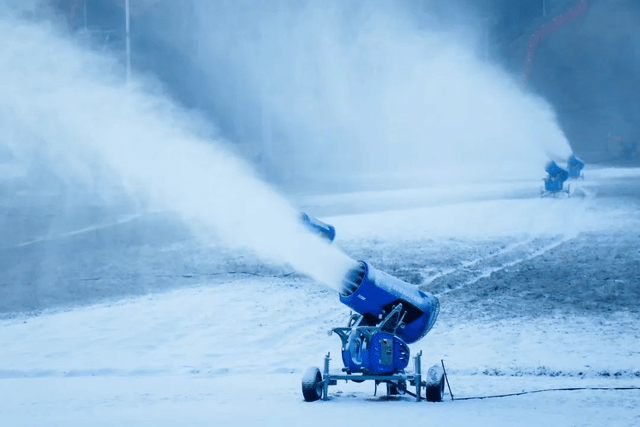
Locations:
(390, 315)
(575, 166)
(324, 230)
(554, 182)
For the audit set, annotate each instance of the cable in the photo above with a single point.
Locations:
(546, 390)
(531, 391)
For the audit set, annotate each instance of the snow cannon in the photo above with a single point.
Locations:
(390, 315)
(554, 182)
(324, 230)
(575, 166)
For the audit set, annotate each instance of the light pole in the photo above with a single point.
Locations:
(128, 39)
(544, 8)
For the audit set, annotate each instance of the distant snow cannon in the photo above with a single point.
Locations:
(324, 230)
(554, 182)
(390, 315)
(574, 167)
(628, 149)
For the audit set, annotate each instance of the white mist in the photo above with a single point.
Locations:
(368, 89)
(70, 107)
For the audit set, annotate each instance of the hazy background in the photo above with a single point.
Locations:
(98, 152)
(233, 106)
(362, 94)
(379, 93)
(356, 93)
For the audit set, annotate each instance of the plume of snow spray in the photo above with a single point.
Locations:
(68, 104)
(373, 88)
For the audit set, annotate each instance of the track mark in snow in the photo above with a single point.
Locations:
(79, 231)
(467, 265)
(440, 274)
(207, 371)
(544, 371)
(98, 372)
(539, 252)
(471, 272)
(506, 250)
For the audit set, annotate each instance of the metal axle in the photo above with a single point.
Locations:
(414, 379)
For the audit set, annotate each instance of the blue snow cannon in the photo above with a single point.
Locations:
(389, 315)
(554, 182)
(574, 167)
(324, 230)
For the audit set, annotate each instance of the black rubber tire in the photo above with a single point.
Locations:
(312, 385)
(435, 384)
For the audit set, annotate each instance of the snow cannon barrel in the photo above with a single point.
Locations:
(373, 294)
(574, 166)
(315, 225)
(556, 172)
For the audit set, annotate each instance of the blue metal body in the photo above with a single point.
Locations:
(325, 230)
(574, 167)
(557, 176)
(556, 171)
(377, 352)
(374, 294)
(391, 315)
(553, 185)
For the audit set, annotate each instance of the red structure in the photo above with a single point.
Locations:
(547, 29)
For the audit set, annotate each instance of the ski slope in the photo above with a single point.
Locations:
(228, 342)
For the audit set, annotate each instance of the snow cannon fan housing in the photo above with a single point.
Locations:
(556, 172)
(374, 294)
(575, 166)
(324, 230)
(557, 176)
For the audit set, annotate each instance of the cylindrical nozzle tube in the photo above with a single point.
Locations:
(353, 279)
(374, 293)
(324, 230)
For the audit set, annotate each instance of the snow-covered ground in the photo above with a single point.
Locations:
(130, 321)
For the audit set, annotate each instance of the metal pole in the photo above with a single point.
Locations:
(325, 379)
(267, 135)
(128, 39)
(84, 5)
(418, 374)
(446, 378)
(544, 8)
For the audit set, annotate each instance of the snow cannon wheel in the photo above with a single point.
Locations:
(435, 384)
(312, 385)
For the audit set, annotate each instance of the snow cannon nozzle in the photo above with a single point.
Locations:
(575, 166)
(324, 230)
(374, 294)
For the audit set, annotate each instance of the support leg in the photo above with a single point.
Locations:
(418, 375)
(325, 378)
